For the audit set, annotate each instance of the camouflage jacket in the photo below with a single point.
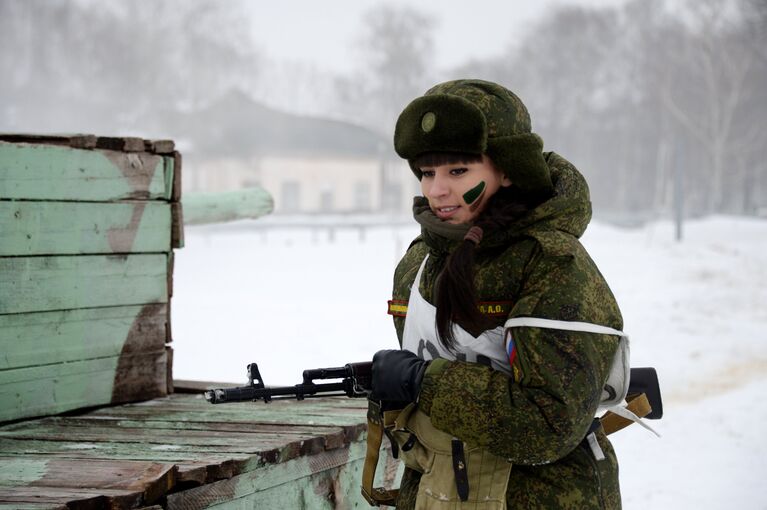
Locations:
(539, 417)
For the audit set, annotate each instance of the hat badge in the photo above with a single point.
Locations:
(428, 121)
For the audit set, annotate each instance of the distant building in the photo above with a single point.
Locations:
(309, 165)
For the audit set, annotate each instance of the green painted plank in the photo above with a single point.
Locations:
(36, 284)
(200, 208)
(242, 441)
(49, 172)
(351, 408)
(57, 228)
(51, 389)
(223, 427)
(135, 451)
(255, 415)
(29, 339)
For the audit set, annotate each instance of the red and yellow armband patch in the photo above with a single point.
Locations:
(397, 307)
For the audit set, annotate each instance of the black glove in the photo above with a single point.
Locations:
(397, 376)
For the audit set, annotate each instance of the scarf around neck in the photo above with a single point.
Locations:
(438, 234)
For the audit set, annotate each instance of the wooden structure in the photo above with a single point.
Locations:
(179, 452)
(87, 229)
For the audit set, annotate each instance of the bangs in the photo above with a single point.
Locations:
(431, 159)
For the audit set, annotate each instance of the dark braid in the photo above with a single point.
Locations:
(455, 295)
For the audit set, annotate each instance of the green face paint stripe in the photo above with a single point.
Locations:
(473, 207)
(474, 193)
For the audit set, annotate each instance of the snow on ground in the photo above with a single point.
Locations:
(293, 298)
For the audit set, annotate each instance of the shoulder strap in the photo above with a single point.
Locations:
(377, 420)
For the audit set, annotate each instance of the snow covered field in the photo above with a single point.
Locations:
(291, 299)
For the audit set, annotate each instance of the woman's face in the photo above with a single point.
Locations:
(458, 193)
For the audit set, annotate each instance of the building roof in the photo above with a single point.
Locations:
(235, 125)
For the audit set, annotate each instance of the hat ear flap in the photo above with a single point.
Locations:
(520, 157)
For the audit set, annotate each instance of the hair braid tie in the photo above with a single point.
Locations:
(474, 235)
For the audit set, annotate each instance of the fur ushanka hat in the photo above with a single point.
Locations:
(475, 117)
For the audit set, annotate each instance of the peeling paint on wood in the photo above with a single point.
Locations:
(34, 284)
(49, 172)
(64, 228)
(86, 233)
(40, 390)
(244, 457)
(43, 338)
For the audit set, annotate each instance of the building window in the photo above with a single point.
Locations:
(392, 197)
(291, 197)
(326, 200)
(362, 196)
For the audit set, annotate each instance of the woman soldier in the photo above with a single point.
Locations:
(501, 407)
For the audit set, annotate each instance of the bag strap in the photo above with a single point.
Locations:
(619, 374)
(376, 496)
(586, 327)
(618, 416)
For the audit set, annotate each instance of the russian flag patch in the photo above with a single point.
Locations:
(511, 347)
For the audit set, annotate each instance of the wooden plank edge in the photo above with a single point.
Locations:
(176, 189)
(89, 141)
(76, 141)
(169, 275)
(123, 144)
(160, 146)
(73, 499)
(176, 225)
(169, 370)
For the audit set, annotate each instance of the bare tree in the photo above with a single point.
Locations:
(111, 65)
(709, 89)
(396, 46)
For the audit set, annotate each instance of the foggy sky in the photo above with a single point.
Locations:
(324, 33)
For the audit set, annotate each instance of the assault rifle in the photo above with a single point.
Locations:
(355, 381)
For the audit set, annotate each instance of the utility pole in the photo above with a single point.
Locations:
(679, 153)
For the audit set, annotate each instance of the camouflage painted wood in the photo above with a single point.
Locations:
(41, 390)
(270, 413)
(312, 437)
(43, 338)
(230, 459)
(56, 228)
(238, 442)
(50, 172)
(34, 284)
